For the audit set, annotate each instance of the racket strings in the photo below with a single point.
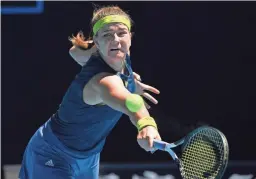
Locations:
(202, 155)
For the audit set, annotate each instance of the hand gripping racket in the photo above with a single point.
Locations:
(204, 153)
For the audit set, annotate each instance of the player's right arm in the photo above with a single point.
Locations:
(109, 89)
(80, 50)
(81, 56)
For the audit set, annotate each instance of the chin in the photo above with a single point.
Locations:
(118, 57)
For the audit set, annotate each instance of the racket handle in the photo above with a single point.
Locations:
(160, 145)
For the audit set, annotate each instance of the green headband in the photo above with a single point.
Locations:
(109, 19)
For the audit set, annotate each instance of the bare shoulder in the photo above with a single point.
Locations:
(91, 91)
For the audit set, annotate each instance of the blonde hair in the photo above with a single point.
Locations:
(80, 41)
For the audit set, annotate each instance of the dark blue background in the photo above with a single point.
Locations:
(200, 55)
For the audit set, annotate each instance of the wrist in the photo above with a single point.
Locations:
(146, 121)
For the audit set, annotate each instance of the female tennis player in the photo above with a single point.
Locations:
(68, 145)
(81, 54)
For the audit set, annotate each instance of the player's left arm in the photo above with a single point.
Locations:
(142, 88)
(81, 56)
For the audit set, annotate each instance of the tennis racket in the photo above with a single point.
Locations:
(204, 153)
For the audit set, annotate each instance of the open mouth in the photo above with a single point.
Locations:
(114, 49)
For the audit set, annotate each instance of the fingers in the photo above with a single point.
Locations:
(136, 76)
(150, 98)
(143, 140)
(149, 88)
(146, 138)
(150, 141)
(152, 89)
(154, 149)
(158, 137)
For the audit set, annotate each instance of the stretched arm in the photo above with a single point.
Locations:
(82, 56)
(112, 92)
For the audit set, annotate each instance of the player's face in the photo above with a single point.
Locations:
(113, 42)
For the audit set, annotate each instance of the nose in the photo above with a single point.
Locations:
(116, 38)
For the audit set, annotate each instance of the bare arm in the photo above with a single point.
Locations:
(109, 89)
(112, 92)
(81, 56)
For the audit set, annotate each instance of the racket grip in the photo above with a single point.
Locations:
(159, 145)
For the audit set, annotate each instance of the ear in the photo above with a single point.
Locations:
(131, 34)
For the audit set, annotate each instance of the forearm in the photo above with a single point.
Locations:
(116, 99)
(115, 96)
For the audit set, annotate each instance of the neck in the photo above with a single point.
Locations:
(117, 67)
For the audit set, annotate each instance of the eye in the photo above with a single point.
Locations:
(121, 34)
(107, 35)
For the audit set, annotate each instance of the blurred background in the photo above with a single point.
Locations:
(200, 55)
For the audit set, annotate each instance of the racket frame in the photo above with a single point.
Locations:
(164, 146)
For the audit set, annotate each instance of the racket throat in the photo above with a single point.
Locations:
(172, 153)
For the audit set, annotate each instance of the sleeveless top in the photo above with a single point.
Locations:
(80, 129)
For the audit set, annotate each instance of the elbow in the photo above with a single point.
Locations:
(72, 51)
(81, 59)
